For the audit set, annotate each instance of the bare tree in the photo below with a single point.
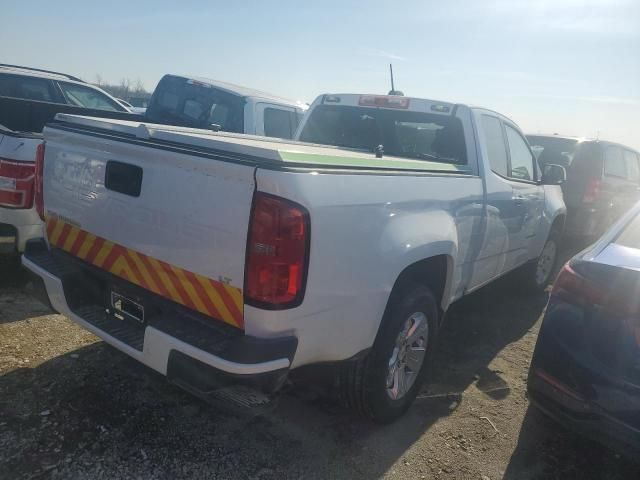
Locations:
(125, 89)
(125, 86)
(139, 88)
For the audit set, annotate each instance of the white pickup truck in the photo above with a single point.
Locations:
(212, 104)
(220, 259)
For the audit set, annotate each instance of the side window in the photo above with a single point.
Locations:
(279, 123)
(28, 88)
(36, 89)
(7, 85)
(496, 148)
(633, 169)
(521, 157)
(614, 165)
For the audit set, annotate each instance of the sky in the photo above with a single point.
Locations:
(554, 66)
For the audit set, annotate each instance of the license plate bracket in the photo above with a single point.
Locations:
(123, 307)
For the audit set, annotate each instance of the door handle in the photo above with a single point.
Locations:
(518, 199)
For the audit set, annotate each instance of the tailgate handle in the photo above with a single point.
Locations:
(123, 178)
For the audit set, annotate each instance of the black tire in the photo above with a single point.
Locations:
(363, 382)
(12, 274)
(529, 272)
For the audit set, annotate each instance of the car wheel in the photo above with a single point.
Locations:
(383, 384)
(538, 273)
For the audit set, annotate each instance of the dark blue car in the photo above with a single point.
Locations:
(585, 371)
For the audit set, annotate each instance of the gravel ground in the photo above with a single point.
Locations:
(72, 407)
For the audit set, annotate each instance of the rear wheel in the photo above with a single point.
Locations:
(383, 384)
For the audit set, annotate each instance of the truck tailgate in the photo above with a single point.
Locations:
(171, 222)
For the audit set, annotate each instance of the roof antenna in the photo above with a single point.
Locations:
(393, 90)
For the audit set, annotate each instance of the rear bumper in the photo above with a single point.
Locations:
(17, 226)
(574, 380)
(583, 418)
(190, 349)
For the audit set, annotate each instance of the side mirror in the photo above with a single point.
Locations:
(553, 174)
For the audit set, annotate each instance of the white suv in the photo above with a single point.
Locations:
(46, 86)
(21, 88)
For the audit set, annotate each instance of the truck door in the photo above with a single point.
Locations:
(276, 120)
(528, 196)
(501, 217)
(514, 200)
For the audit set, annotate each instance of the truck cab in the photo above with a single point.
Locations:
(215, 105)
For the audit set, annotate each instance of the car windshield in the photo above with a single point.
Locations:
(401, 133)
(559, 151)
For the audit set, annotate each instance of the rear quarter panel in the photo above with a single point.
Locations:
(365, 230)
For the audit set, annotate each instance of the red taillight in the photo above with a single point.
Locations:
(39, 194)
(576, 289)
(592, 191)
(383, 101)
(277, 252)
(16, 184)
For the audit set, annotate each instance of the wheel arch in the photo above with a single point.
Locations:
(435, 272)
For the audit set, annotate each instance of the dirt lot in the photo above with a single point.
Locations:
(71, 407)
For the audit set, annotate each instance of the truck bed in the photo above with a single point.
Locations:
(245, 149)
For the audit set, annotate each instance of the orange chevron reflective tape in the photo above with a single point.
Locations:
(199, 293)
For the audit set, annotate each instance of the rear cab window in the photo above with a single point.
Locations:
(401, 133)
(190, 103)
